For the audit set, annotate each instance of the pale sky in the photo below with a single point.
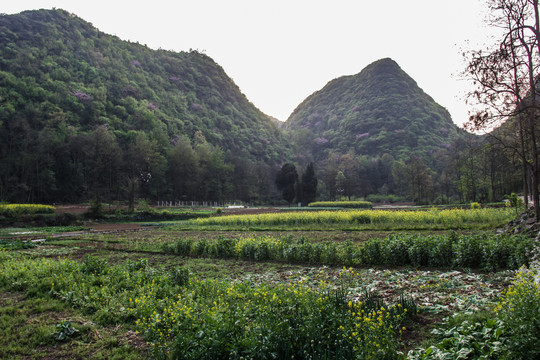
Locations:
(280, 51)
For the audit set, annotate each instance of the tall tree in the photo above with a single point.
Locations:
(308, 186)
(101, 162)
(419, 179)
(286, 180)
(506, 77)
(182, 172)
(141, 158)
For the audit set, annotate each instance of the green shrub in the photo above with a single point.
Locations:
(183, 246)
(202, 247)
(96, 210)
(475, 205)
(467, 252)
(513, 200)
(225, 247)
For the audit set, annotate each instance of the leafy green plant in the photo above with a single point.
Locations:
(491, 252)
(94, 265)
(137, 265)
(469, 340)
(64, 330)
(180, 276)
(511, 332)
(16, 244)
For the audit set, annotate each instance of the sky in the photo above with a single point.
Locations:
(279, 52)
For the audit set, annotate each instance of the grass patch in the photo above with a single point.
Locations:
(28, 326)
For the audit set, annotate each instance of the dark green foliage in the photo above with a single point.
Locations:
(286, 180)
(10, 244)
(86, 115)
(465, 251)
(225, 247)
(308, 186)
(180, 276)
(183, 246)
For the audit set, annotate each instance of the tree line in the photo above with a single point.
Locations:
(59, 165)
(472, 169)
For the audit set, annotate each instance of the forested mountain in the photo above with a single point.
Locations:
(377, 135)
(85, 114)
(380, 110)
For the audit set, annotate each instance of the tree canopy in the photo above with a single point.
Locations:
(506, 77)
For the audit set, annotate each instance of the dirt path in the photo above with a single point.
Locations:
(99, 228)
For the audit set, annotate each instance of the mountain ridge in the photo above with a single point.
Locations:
(379, 110)
(65, 85)
(191, 80)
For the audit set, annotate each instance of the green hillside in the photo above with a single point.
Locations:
(380, 110)
(62, 80)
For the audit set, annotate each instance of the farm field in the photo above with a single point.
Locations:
(196, 289)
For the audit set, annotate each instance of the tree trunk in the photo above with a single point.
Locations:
(534, 163)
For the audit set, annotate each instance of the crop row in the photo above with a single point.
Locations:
(13, 210)
(188, 318)
(455, 218)
(461, 251)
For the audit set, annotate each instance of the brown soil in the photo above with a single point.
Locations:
(73, 209)
(249, 211)
(106, 227)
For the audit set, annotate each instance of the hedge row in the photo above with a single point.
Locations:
(446, 251)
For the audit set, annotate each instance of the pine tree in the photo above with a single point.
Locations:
(286, 180)
(309, 185)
